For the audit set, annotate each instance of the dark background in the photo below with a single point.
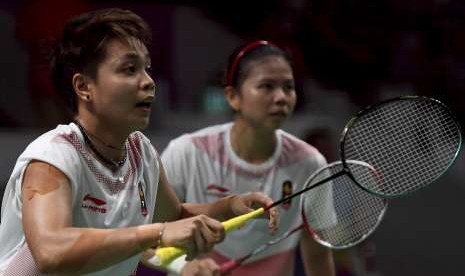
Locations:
(348, 54)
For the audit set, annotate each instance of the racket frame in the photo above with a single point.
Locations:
(232, 264)
(370, 108)
(308, 226)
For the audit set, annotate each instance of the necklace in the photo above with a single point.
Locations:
(112, 163)
(105, 144)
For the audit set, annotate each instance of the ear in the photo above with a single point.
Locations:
(81, 86)
(232, 97)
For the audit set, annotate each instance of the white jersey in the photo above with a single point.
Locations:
(202, 167)
(100, 198)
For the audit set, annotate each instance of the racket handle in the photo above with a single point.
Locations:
(165, 255)
(239, 221)
(228, 266)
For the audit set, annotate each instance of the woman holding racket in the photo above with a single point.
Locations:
(91, 196)
(252, 154)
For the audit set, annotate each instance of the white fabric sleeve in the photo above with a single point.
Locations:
(171, 159)
(59, 153)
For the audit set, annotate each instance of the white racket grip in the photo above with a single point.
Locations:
(165, 255)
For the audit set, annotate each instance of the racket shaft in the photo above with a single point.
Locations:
(229, 266)
(233, 264)
(331, 177)
(165, 255)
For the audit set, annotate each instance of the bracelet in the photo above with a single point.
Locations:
(160, 234)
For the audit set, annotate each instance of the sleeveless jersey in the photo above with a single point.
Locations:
(202, 167)
(101, 198)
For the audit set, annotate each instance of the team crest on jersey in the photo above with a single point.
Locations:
(287, 191)
(143, 204)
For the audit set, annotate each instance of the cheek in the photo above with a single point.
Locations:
(117, 96)
(292, 100)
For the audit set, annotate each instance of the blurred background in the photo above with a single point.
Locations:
(348, 54)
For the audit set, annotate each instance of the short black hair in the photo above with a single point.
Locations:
(82, 45)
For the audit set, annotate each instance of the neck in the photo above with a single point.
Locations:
(102, 131)
(106, 145)
(252, 145)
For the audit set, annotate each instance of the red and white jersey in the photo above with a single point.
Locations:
(202, 167)
(101, 198)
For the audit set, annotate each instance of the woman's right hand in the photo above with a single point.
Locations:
(196, 234)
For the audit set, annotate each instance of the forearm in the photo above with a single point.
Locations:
(84, 250)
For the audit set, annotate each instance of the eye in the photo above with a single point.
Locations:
(266, 86)
(289, 87)
(130, 69)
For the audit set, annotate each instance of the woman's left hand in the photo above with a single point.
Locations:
(245, 203)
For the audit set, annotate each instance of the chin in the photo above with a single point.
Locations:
(277, 123)
(140, 124)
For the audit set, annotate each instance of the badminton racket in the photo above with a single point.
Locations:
(337, 215)
(411, 141)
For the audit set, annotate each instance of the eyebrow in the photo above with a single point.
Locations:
(268, 79)
(134, 56)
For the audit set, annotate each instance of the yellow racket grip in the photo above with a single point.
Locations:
(239, 221)
(165, 255)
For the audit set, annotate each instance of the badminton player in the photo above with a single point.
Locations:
(89, 197)
(252, 154)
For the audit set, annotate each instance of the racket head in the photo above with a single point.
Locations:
(410, 140)
(339, 214)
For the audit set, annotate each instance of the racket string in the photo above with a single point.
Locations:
(339, 213)
(411, 142)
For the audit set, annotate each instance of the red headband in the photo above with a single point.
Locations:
(247, 48)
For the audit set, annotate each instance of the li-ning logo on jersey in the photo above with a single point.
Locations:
(216, 190)
(93, 204)
(287, 191)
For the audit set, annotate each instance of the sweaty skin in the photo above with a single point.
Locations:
(57, 246)
(97, 239)
(33, 180)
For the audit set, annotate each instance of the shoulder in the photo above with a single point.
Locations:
(64, 139)
(292, 143)
(61, 147)
(206, 140)
(296, 150)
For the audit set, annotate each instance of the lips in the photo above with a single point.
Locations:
(144, 104)
(279, 113)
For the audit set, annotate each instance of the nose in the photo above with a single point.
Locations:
(280, 96)
(148, 84)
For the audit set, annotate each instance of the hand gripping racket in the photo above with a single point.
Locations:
(337, 215)
(411, 141)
